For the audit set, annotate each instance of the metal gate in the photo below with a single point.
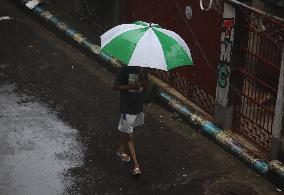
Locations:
(261, 48)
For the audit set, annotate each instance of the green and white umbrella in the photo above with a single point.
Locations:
(146, 45)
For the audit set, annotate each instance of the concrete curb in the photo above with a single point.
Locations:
(207, 128)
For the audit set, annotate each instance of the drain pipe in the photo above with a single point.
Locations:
(206, 127)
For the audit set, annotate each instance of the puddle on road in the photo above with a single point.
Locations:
(35, 147)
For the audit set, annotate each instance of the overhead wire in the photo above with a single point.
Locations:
(87, 7)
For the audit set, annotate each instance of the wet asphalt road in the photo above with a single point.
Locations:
(58, 129)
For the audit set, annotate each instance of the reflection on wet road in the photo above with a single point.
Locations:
(36, 147)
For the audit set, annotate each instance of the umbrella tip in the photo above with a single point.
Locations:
(150, 24)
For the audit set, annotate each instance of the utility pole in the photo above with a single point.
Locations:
(278, 121)
(230, 58)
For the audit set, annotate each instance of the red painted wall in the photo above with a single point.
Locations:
(205, 25)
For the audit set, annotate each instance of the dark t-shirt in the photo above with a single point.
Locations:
(131, 101)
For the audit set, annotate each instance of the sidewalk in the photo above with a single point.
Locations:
(175, 159)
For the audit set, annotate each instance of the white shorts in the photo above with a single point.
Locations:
(127, 122)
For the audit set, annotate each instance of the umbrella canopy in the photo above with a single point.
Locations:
(146, 45)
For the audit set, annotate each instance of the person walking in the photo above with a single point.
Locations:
(131, 82)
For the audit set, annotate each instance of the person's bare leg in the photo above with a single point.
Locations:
(122, 148)
(131, 147)
(121, 144)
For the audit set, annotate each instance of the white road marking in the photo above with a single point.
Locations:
(31, 4)
(5, 18)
